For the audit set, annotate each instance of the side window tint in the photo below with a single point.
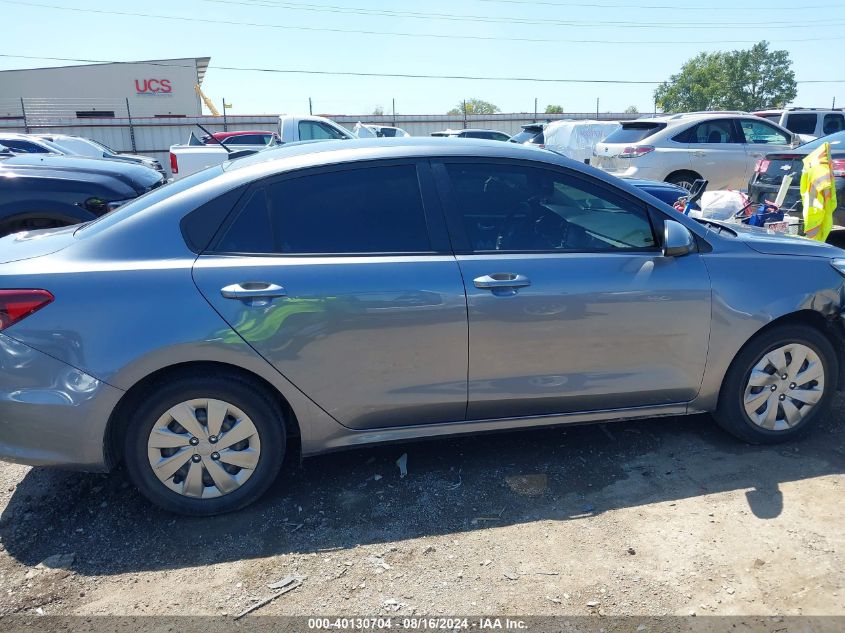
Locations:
(371, 210)
(719, 131)
(802, 123)
(251, 232)
(516, 208)
(833, 123)
(761, 133)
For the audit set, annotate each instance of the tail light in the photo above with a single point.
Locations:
(838, 166)
(762, 166)
(635, 151)
(174, 163)
(19, 304)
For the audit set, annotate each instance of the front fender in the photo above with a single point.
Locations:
(749, 293)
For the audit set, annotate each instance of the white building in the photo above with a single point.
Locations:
(138, 89)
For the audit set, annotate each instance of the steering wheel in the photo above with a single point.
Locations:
(540, 229)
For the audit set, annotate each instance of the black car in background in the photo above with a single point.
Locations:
(771, 169)
(44, 191)
(532, 134)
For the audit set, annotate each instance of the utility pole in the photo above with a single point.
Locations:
(597, 107)
(23, 113)
(394, 112)
(131, 127)
(833, 107)
(535, 109)
(310, 106)
(225, 121)
(465, 114)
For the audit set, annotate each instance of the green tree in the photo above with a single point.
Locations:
(631, 109)
(474, 106)
(753, 79)
(378, 111)
(554, 109)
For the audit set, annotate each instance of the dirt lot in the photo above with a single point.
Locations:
(658, 517)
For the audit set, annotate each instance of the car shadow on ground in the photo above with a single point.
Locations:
(452, 486)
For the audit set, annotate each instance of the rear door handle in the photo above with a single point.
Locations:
(699, 154)
(253, 290)
(502, 280)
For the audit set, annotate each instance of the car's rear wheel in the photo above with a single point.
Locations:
(205, 445)
(683, 179)
(779, 385)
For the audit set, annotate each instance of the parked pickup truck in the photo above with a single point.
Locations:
(195, 155)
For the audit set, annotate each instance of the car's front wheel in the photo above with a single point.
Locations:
(205, 444)
(779, 385)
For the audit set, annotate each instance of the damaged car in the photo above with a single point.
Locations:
(348, 293)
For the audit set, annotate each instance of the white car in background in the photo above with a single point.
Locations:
(195, 156)
(27, 144)
(81, 146)
(371, 130)
(723, 148)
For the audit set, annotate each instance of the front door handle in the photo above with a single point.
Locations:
(502, 280)
(699, 154)
(253, 290)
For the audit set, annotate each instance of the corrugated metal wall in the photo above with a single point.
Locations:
(154, 136)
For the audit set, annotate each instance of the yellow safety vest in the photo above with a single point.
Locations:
(818, 193)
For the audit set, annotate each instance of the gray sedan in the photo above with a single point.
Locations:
(324, 296)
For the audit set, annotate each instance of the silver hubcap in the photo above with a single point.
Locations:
(204, 448)
(783, 387)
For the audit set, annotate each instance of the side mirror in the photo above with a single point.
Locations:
(795, 141)
(677, 239)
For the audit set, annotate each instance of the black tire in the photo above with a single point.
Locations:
(683, 179)
(265, 414)
(730, 413)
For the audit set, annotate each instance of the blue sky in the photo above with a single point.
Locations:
(633, 43)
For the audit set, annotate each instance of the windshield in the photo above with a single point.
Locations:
(837, 142)
(526, 135)
(147, 200)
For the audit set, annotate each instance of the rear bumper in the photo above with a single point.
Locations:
(51, 414)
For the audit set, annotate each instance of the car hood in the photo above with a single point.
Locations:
(31, 244)
(137, 177)
(767, 243)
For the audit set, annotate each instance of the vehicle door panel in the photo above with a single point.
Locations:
(375, 339)
(591, 331)
(718, 154)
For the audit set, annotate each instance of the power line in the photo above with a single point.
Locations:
(455, 17)
(441, 36)
(589, 5)
(297, 71)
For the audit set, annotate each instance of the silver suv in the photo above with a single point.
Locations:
(722, 148)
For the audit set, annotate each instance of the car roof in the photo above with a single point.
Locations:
(18, 136)
(240, 133)
(296, 156)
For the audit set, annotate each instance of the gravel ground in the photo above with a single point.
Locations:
(666, 516)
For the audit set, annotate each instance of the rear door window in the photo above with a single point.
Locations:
(634, 132)
(802, 123)
(351, 211)
(718, 131)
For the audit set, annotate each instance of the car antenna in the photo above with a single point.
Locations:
(211, 136)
